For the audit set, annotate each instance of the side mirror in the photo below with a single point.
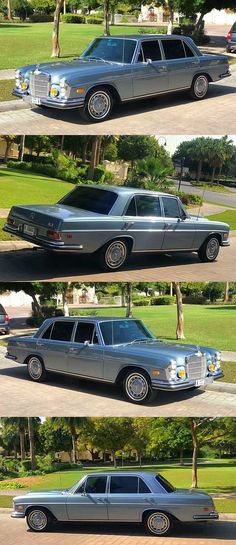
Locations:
(149, 61)
(87, 343)
(83, 493)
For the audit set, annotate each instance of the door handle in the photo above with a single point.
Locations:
(162, 69)
(72, 349)
(42, 345)
(128, 224)
(194, 62)
(167, 225)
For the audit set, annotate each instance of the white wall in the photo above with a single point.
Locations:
(220, 17)
(13, 299)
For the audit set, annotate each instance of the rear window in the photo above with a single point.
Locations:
(173, 49)
(165, 484)
(92, 199)
(62, 331)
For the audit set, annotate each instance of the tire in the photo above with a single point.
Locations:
(98, 105)
(36, 369)
(113, 255)
(199, 87)
(209, 250)
(137, 387)
(39, 519)
(158, 523)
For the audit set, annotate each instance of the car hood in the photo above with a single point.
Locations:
(171, 350)
(50, 215)
(201, 219)
(38, 494)
(65, 69)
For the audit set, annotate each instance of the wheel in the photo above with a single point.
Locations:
(158, 523)
(36, 369)
(137, 387)
(209, 249)
(98, 105)
(199, 87)
(39, 519)
(113, 255)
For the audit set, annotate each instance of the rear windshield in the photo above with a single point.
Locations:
(166, 485)
(91, 199)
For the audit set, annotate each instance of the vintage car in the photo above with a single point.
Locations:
(231, 39)
(118, 351)
(142, 497)
(113, 222)
(119, 69)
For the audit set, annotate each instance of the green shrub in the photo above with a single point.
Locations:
(191, 300)
(41, 18)
(23, 165)
(50, 311)
(66, 168)
(141, 301)
(188, 198)
(35, 321)
(99, 173)
(13, 485)
(163, 300)
(85, 312)
(92, 20)
(25, 466)
(47, 170)
(73, 18)
(151, 30)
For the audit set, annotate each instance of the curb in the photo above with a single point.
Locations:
(13, 105)
(11, 246)
(223, 387)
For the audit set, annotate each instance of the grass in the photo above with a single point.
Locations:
(229, 216)
(211, 187)
(229, 368)
(213, 477)
(31, 43)
(3, 235)
(6, 501)
(218, 204)
(6, 86)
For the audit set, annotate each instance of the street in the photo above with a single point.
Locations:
(227, 199)
(15, 532)
(69, 396)
(31, 264)
(169, 114)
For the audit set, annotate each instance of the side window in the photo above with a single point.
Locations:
(84, 332)
(124, 485)
(131, 210)
(62, 331)
(188, 50)
(171, 207)
(151, 50)
(143, 488)
(47, 332)
(173, 49)
(96, 485)
(148, 206)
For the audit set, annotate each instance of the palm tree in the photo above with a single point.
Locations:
(152, 173)
(21, 425)
(32, 442)
(198, 152)
(69, 424)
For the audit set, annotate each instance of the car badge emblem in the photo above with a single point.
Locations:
(37, 71)
(32, 215)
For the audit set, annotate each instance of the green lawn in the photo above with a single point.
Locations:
(218, 477)
(229, 370)
(3, 235)
(229, 216)
(29, 43)
(209, 325)
(6, 87)
(211, 187)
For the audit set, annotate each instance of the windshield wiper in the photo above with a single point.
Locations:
(90, 58)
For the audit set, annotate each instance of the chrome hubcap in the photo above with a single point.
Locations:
(35, 368)
(99, 105)
(136, 387)
(158, 523)
(116, 254)
(37, 520)
(212, 248)
(201, 86)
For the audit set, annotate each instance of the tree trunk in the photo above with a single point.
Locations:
(180, 312)
(213, 174)
(9, 13)
(199, 170)
(64, 300)
(55, 31)
(129, 300)
(114, 459)
(181, 456)
(62, 143)
(22, 444)
(171, 22)
(226, 292)
(195, 452)
(36, 304)
(32, 443)
(171, 289)
(84, 151)
(8, 145)
(219, 174)
(199, 21)
(21, 148)
(106, 18)
(73, 440)
(95, 156)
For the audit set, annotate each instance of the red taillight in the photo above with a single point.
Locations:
(53, 234)
(206, 509)
(7, 317)
(229, 36)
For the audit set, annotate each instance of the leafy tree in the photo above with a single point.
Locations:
(151, 173)
(213, 291)
(112, 434)
(21, 425)
(131, 148)
(70, 424)
(54, 438)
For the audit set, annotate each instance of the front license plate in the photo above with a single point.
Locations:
(29, 230)
(200, 382)
(36, 101)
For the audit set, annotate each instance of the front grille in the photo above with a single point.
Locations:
(39, 85)
(196, 365)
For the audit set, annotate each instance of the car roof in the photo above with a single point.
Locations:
(94, 318)
(123, 473)
(122, 190)
(145, 36)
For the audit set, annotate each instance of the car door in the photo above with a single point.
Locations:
(143, 220)
(127, 497)
(149, 73)
(89, 502)
(181, 62)
(179, 228)
(85, 355)
(54, 344)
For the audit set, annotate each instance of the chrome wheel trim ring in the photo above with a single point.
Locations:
(35, 368)
(158, 523)
(201, 86)
(37, 520)
(99, 105)
(136, 386)
(116, 254)
(212, 248)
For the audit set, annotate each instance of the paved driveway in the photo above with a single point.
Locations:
(176, 114)
(31, 264)
(67, 396)
(14, 532)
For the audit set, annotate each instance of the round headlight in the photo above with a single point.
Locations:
(24, 85)
(181, 372)
(211, 367)
(54, 91)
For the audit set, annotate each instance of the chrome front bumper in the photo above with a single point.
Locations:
(178, 386)
(16, 515)
(61, 104)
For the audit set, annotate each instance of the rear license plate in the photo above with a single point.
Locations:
(36, 101)
(29, 230)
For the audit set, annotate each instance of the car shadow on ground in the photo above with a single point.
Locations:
(214, 530)
(137, 107)
(102, 390)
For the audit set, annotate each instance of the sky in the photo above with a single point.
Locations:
(173, 141)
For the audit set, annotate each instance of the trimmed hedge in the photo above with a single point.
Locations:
(142, 301)
(163, 300)
(41, 18)
(73, 18)
(91, 20)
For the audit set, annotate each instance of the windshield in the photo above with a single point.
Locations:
(166, 485)
(124, 331)
(90, 198)
(111, 49)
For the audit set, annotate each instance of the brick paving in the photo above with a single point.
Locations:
(14, 532)
(67, 396)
